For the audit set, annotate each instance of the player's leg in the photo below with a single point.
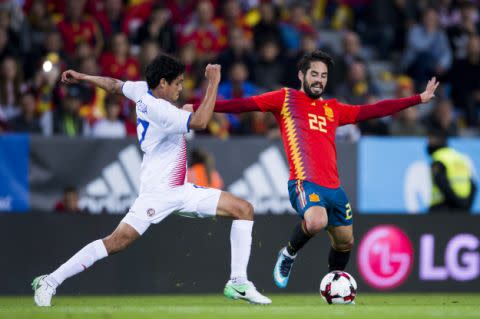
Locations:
(310, 206)
(341, 238)
(340, 230)
(129, 229)
(239, 287)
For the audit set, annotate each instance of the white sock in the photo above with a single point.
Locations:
(79, 262)
(241, 242)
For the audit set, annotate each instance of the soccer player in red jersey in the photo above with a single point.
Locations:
(307, 124)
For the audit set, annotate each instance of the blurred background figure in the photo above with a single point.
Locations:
(67, 120)
(111, 126)
(428, 52)
(69, 202)
(453, 188)
(202, 170)
(27, 121)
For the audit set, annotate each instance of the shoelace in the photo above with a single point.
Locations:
(286, 265)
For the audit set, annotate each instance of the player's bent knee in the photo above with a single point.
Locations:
(316, 225)
(244, 210)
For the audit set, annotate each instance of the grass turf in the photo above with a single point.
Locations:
(369, 306)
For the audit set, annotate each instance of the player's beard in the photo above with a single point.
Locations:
(309, 92)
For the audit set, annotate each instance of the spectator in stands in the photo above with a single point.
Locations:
(467, 26)
(76, 27)
(67, 120)
(26, 121)
(268, 71)
(69, 203)
(351, 52)
(237, 86)
(406, 122)
(232, 17)
(10, 88)
(111, 18)
(117, 62)
(238, 49)
(428, 52)
(202, 170)
(465, 84)
(159, 28)
(453, 187)
(358, 86)
(293, 28)
(6, 46)
(202, 32)
(40, 23)
(442, 119)
(148, 51)
(111, 126)
(268, 27)
(11, 20)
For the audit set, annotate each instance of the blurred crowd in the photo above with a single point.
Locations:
(382, 49)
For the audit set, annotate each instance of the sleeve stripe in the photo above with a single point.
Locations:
(188, 122)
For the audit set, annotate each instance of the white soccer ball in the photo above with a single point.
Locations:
(338, 287)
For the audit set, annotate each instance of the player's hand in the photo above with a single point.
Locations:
(188, 107)
(429, 92)
(212, 73)
(72, 77)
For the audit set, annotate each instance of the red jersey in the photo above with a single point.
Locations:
(308, 132)
(308, 127)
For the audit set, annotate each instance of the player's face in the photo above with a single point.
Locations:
(315, 80)
(174, 88)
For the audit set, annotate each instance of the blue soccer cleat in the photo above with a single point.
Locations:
(282, 269)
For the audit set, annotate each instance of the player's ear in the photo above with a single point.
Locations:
(163, 83)
(300, 75)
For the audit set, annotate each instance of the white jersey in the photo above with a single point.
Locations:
(160, 127)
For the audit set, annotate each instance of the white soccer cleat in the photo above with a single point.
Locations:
(43, 291)
(245, 291)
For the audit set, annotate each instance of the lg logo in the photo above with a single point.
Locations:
(385, 257)
(461, 259)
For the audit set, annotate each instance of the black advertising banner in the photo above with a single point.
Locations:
(393, 253)
(106, 171)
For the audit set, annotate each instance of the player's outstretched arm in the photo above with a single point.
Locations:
(110, 85)
(357, 113)
(202, 115)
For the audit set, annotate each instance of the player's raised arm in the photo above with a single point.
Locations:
(202, 115)
(357, 113)
(110, 85)
(267, 102)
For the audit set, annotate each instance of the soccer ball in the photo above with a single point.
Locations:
(338, 287)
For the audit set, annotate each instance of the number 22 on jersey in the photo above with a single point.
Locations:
(317, 122)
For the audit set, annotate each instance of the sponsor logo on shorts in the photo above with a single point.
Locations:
(385, 257)
(313, 197)
(150, 212)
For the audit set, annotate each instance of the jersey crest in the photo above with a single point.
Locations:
(328, 112)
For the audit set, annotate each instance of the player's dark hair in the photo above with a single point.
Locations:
(317, 55)
(163, 67)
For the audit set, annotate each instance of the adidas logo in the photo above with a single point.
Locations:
(264, 183)
(118, 186)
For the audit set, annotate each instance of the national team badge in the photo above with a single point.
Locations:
(314, 197)
(150, 212)
(328, 112)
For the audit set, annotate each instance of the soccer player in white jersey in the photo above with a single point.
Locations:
(163, 187)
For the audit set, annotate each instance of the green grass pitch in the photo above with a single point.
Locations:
(370, 306)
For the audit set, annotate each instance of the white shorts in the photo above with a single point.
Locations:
(188, 200)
